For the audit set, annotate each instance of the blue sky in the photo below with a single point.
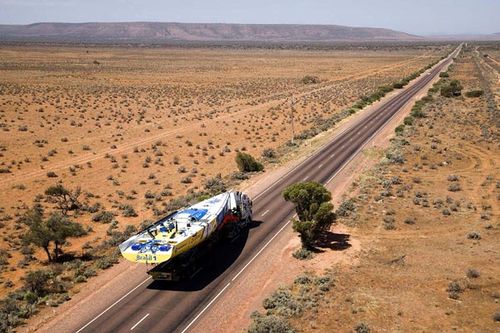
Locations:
(417, 17)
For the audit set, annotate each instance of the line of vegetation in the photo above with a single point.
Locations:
(324, 124)
(447, 88)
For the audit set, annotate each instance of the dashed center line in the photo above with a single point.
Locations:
(267, 211)
(140, 321)
(320, 166)
(305, 178)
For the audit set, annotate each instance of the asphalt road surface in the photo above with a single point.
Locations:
(174, 307)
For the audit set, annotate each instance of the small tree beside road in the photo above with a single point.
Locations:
(314, 210)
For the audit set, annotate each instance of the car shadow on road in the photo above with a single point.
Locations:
(221, 257)
(332, 241)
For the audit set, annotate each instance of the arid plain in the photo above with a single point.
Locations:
(137, 127)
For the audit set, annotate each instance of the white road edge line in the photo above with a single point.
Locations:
(109, 307)
(267, 211)
(205, 308)
(140, 321)
(260, 251)
(374, 134)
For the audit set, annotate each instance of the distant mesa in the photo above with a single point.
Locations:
(151, 32)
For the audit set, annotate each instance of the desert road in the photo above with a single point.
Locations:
(175, 307)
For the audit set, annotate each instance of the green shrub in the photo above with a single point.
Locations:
(395, 157)
(473, 273)
(89, 271)
(4, 257)
(39, 281)
(80, 279)
(408, 120)
(389, 223)
(282, 302)
(452, 89)
(238, 175)
(302, 254)
(128, 211)
(310, 79)
(444, 74)
(103, 217)
(416, 110)
(303, 279)
(30, 297)
(409, 220)
(474, 235)
(129, 230)
(269, 324)
(323, 282)
(362, 328)
(247, 163)
(215, 185)
(426, 99)
(474, 93)
(269, 153)
(346, 208)
(105, 262)
(417, 113)
(454, 289)
(454, 187)
(398, 85)
(10, 311)
(399, 129)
